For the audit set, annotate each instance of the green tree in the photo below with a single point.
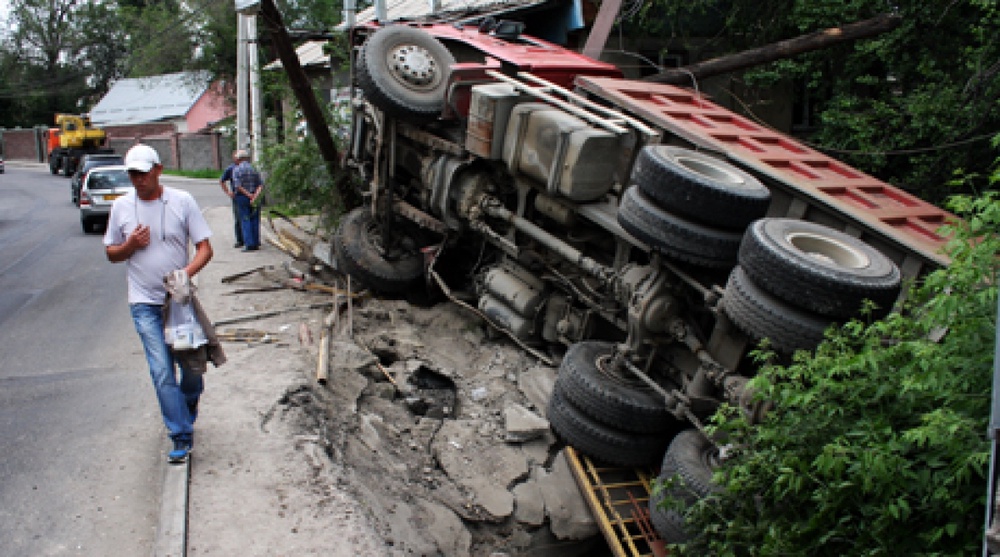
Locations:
(57, 55)
(909, 106)
(161, 35)
(216, 39)
(877, 443)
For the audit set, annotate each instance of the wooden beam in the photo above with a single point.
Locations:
(777, 51)
(302, 88)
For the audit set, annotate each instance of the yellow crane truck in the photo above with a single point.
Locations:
(73, 138)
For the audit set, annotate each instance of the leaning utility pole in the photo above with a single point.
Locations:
(275, 26)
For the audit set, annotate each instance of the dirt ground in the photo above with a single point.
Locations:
(428, 438)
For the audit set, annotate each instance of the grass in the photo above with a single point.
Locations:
(207, 173)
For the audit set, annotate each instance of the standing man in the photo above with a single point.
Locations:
(249, 186)
(149, 229)
(226, 181)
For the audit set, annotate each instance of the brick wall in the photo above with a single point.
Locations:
(184, 151)
(195, 151)
(23, 144)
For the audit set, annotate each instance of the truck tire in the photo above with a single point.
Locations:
(818, 268)
(404, 71)
(55, 163)
(675, 236)
(690, 460)
(700, 187)
(761, 315)
(614, 401)
(359, 253)
(67, 166)
(599, 441)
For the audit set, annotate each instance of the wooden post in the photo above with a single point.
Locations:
(779, 50)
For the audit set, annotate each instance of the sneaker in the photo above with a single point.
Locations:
(180, 453)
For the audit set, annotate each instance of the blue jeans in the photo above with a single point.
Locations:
(177, 401)
(250, 221)
(237, 224)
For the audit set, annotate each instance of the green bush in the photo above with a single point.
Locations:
(298, 179)
(877, 443)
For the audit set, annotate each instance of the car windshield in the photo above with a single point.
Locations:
(108, 180)
(103, 162)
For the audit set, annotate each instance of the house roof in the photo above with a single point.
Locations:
(310, 53)
(455, 10)
(150, 99)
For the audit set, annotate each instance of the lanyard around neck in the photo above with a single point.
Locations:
(163, 215)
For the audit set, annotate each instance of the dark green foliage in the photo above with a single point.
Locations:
(56, 56)
(877, 443)
(299, 178)
(910, 106)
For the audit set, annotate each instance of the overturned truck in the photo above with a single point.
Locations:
(636, 235)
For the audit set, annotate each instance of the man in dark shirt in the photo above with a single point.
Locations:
(248, 186)
(226, 182)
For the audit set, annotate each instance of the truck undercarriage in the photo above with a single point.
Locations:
(601, 230)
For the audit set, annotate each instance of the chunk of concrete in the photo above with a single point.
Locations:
(536, 384)
(537, 450)
(529, 507)
(367, 431)
(344, 383)
(443, 527)
(521, 424)
(349, 356)
(569, 516)
(480, 466)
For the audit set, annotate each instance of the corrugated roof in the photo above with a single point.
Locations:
(310, 54)
(150, 99)
(448, 9)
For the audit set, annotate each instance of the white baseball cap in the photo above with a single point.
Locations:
(141, 158)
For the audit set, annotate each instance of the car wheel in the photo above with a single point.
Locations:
(676, 236)
(359, 253)
(818, 268)
(404, 71)
(700, 187)
(761, 315)
(620, 402)
(600, 441)
(689, 461)
(86, 224)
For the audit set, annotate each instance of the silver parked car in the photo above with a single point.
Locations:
(88, 162)
(100, 188)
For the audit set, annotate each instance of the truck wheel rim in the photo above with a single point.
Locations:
(414, 66)
(712, 171)
(828, 251)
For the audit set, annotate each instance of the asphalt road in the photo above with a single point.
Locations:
(82, 446)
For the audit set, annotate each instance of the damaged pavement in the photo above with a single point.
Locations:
(436, 428)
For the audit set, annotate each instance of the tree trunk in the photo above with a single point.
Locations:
(777, 51)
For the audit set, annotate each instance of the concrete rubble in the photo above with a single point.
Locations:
(440, 430)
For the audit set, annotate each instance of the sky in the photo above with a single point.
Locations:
(4, 9)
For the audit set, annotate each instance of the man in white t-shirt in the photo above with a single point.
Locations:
(149, 230)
